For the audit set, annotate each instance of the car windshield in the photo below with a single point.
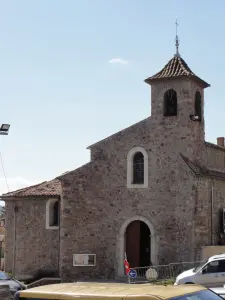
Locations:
(4, 276)
(199, 266)
(202, 295)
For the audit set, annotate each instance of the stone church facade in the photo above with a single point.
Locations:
(155, 191)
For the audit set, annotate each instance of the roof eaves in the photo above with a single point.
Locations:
(39, 196)
(203, 83)
(202, 171)
(44, 189)
(22, 190)
(214, 146)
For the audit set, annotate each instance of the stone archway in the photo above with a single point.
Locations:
(121, 243)
(138, 244)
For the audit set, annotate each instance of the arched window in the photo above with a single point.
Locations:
(52, 214)
(198, 105)
(170, 103)
(138, 168)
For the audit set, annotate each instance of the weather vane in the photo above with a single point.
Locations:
(177, 41)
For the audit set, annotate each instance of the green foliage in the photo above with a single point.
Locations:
(170, 281)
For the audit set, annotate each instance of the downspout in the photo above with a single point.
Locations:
(14, 241)
(212, 206)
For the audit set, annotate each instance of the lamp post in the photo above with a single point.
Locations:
(4, 129)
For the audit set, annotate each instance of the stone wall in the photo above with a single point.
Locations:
(97, 203)
(214, 157)
(218, 205)
(210, 202)
(202, 219)
(36, 247)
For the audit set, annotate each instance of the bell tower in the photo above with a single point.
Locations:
(177, 101)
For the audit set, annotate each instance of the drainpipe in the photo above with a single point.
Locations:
(14, 241)
(212, 205)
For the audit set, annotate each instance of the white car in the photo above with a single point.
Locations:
(219, 291)
(210, 273)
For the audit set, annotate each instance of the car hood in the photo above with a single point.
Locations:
(186, 274)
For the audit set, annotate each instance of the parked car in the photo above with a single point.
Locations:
(210, 273)
(14, 285)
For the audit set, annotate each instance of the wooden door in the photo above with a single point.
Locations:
(133, 244)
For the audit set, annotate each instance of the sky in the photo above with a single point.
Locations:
(72, 73)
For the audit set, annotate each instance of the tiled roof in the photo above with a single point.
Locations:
(202, 171)
(46, 188)
(176, 68)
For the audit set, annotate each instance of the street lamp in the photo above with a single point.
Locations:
(4, 129)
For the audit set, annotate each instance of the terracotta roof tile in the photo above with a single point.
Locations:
(202, 171)
(46, 188)
(175, 68)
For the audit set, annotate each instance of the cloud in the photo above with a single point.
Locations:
(118, 61)
(15, 183)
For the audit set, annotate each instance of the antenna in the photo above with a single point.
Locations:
(177, 41)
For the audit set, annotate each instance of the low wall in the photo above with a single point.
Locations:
(44, 281)
(210, 251)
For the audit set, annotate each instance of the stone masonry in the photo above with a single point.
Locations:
(35, 247)
(181, 203)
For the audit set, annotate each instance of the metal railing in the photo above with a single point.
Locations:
(161, 272)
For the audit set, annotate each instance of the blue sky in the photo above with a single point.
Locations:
(60, 93)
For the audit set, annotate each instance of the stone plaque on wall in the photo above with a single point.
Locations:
(82, 260)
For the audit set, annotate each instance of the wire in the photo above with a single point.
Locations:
(3, 169)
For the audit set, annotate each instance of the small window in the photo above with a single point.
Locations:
(198, 105)
(52, 214)
(138, 168)
(170, 103)
(55, 218)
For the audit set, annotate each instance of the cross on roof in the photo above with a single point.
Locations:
(177, 41)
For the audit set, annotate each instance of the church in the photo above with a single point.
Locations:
(154, 192)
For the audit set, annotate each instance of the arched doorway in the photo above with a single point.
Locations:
(138, 244)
